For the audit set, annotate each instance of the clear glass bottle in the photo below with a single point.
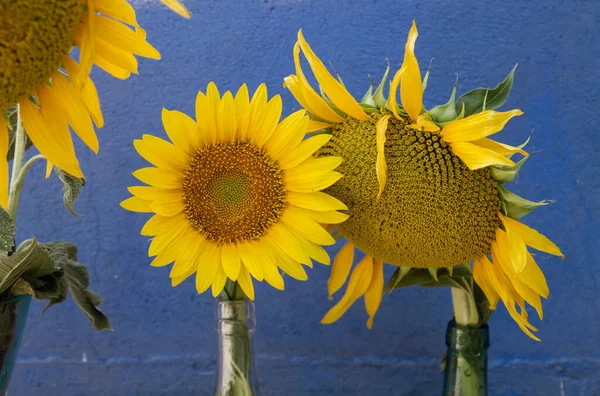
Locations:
(465, 373)
(236, 367)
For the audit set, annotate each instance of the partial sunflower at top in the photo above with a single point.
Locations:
(424, 187)
(53, 90)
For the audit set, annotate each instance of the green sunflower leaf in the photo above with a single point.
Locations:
(71, 188)
(7, 232)
(515, 206)
(474, 100)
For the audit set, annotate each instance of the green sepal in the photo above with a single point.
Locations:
(426, 78)
(71, 188)
(474, 99)
(447, 112)
(367, 98)
(379, 100)
(425, 277)
(369, 109)
(516, 207)
(504, 173)
(7, 233)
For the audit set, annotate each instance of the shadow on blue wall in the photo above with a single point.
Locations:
(164, 338)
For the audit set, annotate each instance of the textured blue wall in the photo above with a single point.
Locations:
(164, 338)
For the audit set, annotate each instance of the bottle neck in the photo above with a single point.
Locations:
(466, 360)
(236, 368)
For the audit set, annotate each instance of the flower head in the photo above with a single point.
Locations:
(237, 193)
(423, 187)
(53, 90)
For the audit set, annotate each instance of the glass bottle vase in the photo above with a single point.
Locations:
(465, 373)
(13, 318)
(236, 366)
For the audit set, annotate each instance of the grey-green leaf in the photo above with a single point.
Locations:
(30, 260)
(473, 100)
(7, 232)
(71, 188)
(506, 174)
(515, 206)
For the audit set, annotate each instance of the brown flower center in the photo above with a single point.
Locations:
(434, 211)
(35, 36)
(233, 192)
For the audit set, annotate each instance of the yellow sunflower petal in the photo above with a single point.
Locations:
(158, 177)
(324, 217)
(252, 259)
(263, 125)
(476, 157)
(530, 296)
(394, 89)
(158, 224)
(86, 48)
(168, 208)
(533, 277)
(334, 90)
(242, 111)
(381, 165)
(480, 276)
(107, 56)
(313, 182)
(374, 292)
(303, 151)
(208, 266)
(307, 227)
(283, 260)
(226, 119)
(219, 281)
(151, 193)
(187, 259)
(306, 95)
(161, 153)
(500, 148)
(340, 269)
(89, 94)
(517, 251)
(162, 260)
(52, 140)
(477, 126)
(182, 130)
(533, 238)
(178, 8)
(313, 166)
(314, 125)
(269, 265)
(123, 38)
(118, 9)
(230, 260)
(315, 201)
(287, 241)
(206, 118)
(245, 282)
(411, 88)
(357, 286)
(3, 164)
(288, 135)
(135, 204)
(67, 101)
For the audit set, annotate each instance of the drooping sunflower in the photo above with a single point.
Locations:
(52, 89)
(237, 193)
(423, 187)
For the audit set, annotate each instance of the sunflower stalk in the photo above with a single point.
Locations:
(466, 365)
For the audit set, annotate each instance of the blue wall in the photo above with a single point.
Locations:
(164, 338)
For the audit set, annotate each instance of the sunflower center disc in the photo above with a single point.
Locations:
(434, 211)
(34, 38)
(233, 192)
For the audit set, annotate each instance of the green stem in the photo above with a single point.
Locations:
(232, 291)
(20, 143)
(465, 314)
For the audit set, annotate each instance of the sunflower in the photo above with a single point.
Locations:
(424, 188)
(53, 91)
(237, 193)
